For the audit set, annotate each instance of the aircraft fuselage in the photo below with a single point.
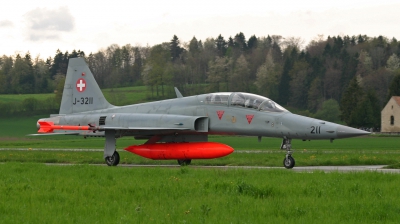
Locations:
(221, 119)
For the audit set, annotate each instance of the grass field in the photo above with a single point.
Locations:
(130, 95)
(37, 193)
(127, 95)
(5, 98)
(32, 192)
(18, 127)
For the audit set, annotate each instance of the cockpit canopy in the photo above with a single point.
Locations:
(245, 100)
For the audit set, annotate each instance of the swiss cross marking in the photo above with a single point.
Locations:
(220, 113)
(249, 117)
(81, 85)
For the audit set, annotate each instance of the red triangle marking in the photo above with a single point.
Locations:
(220, 113)
(249, 117)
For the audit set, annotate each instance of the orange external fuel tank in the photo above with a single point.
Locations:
(181, 150)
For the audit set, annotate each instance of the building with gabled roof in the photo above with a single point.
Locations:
(390, 115)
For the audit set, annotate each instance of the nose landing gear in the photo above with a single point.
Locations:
(289, 161)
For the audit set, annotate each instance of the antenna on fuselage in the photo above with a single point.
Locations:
(178, 94)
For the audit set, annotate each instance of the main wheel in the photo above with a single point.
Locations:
(184, 162)
(288, 162)
(113, 160)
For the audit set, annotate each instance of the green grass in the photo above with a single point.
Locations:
(117, 96)
(394, 166)
(127, 95)
(37, 193)
(18, 127)
(21, 97)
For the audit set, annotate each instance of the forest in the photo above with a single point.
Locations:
(346, 79)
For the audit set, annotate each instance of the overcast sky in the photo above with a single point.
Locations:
(43, 26)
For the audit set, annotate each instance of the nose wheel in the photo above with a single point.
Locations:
(289, 161)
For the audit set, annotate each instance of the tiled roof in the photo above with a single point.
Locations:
(397, 99)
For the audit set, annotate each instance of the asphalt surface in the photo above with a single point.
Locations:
(310, 169)
(304, 169)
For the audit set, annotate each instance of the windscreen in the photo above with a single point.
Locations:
(255, 102)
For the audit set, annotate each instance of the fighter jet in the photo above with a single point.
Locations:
(178, 128)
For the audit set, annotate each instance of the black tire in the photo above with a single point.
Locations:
(113, 160)
(288, 162)
(117, 157)
(184, 162)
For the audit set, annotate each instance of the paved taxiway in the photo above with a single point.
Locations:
(309, 169)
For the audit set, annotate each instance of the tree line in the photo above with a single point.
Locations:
(347, 78)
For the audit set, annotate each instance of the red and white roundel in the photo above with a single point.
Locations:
(80, 85)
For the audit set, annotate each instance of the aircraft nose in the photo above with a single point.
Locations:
(347, 132)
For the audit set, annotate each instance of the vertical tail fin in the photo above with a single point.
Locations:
(81, 91)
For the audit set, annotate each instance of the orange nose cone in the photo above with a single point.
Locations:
(186, 150)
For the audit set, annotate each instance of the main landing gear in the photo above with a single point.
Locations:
(113, 160)
(111, 156)
(288, 162)
(184, 162)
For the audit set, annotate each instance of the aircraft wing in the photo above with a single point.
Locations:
(124, 124)
(49, 129)
(146, 128)
(113, 128)
(58, 133)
